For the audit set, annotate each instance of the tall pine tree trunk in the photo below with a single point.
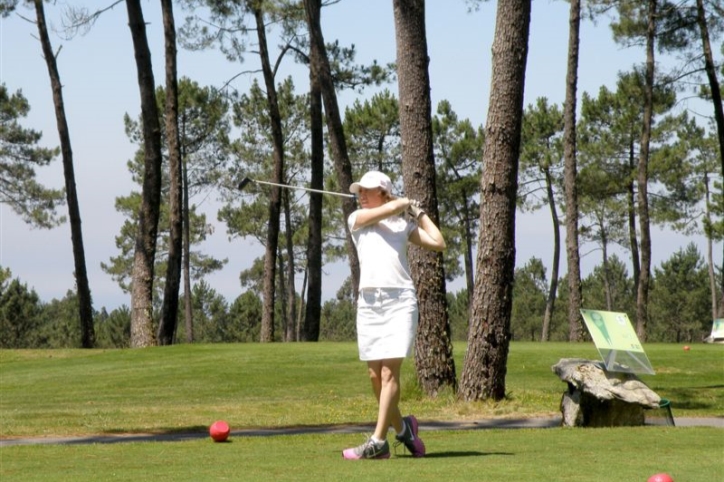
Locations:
(642, 297)
(291, 311)
(570, 174)
(433, 347)
(335, 130)
(169, 309)
(632, 209)
(272, 240)
(85, 303)
(633, 238)
(553, 288)
(145, 250)
(468, 256)
(188, 309)
(710, 68)
(607, 288)
(281, 287)
(489, 335)
(313, 309)
(710, 250)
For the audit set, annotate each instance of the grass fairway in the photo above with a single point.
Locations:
(555, 455)
(185, 388)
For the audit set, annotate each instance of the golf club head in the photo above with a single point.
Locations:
(243, 183)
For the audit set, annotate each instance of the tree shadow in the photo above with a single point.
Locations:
(702, 397)
(181, 434)
(165, 436)
(684, 399)
(470, 453)
(192, 432)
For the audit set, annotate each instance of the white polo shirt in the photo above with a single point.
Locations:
(382, 252)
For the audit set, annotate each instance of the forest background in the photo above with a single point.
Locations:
(101, 62)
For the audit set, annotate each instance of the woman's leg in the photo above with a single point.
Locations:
(375, 371)
(385, 377)
(379, 448)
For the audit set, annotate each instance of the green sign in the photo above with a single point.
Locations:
(717, 329)
(617, 342)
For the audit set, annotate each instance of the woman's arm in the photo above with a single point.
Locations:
(427, 235)
(368, 216)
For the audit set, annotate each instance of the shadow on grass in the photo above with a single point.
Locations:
(106, 439)
(683, 399)
(181, 434)
(196, 432)
(692, 398)
(443, 455)
(163, 430)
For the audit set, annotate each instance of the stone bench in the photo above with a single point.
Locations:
(598, 398)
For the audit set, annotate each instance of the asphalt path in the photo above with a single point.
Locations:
(496, 423)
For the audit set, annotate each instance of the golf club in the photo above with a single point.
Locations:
(247, 180)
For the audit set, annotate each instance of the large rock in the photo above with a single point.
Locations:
(599, 398)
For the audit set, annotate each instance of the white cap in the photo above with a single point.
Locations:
(371, 180)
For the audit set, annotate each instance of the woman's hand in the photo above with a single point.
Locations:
(427, 235)
(415, 210)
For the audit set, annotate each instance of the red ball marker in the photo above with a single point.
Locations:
(219, 431)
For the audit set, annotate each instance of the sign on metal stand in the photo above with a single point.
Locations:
(717, 331)
(617, 342)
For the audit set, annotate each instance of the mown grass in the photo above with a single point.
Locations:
(556, 455)
(185, 388)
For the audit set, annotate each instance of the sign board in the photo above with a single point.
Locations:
(617, 342)
(717, 331)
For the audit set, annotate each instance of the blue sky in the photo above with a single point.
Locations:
(100, 86)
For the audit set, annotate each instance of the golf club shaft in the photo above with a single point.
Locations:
(297, 187)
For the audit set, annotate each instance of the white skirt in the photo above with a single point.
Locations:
(386, 323)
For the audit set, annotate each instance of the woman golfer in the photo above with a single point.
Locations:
(387, 310)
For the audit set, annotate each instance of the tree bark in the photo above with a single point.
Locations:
(313, 309)
(291, 311)
(632, 236)
(710, 68)
(553, 287)
(606, 272)
(300, 320)
(85, 302)
(710, 250)
(283, 293)
(169, 310)
(642, 297)
(188, 310)
(272, 241)
(337, 140)
(489, 338)
(433, 347)
(570, 174)
(145, 250)
(468, 256)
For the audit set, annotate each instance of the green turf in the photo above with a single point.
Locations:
(557, 455)
(185, 388)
